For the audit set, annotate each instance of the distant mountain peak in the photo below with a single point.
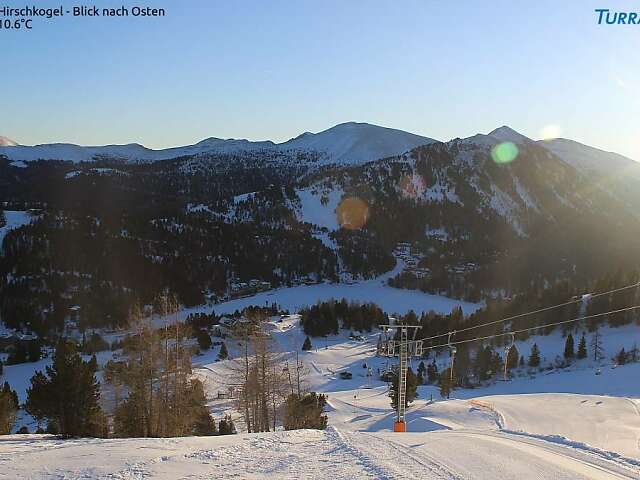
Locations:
(7, 142)
(508, 134)
(357, 142)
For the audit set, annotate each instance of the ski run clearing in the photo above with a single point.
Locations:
(566, 424)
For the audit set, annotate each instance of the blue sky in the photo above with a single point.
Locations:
(272, 69)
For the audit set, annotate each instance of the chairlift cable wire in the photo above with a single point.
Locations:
(533, 312)
(537, 327)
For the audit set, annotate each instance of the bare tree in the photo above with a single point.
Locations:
(260, 375)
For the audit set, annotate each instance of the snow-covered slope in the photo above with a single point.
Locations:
(499, 135)
(477, 435)
(346, 143)
(313, 454)
(357, 142)
(613, 173)
(508, 134)
(131, 152)
(586, 158)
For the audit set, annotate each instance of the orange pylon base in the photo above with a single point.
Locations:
(399, 427)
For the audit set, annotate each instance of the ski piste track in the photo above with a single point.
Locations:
(333, 453)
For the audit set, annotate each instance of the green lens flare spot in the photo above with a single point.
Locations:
(505, 152)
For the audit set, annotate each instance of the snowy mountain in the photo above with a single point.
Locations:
(614, 173)
(347, 143)
(457, 204)
(355, 143)
(590, 159)
(132, 152)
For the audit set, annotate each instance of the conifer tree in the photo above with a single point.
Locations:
(305, 411)
(445, 383)
(223, 354)
(582, 348)
(534, 357)
(412, 389)
(226, 426)
(596, 346)
(432, 372)
(68, 394)
(203, 423)
(512, 357)
(569, 347)
(8, 409)
(306, 346)
(203, 338)
(422, 372)
(621, 357)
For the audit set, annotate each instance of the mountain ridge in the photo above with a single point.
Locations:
(349, 142)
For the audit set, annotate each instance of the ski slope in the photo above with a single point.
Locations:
(558, 424)
(496, 432)
(333, 453)
(568, 408)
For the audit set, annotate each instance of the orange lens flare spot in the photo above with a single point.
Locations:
(352, 213)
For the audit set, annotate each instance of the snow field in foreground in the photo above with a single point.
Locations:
(334, 453)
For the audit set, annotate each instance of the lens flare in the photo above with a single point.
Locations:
(352, 213)
(505, 152)
(412, 186)
(549, 132)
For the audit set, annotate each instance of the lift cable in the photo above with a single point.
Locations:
(515, 332)
(541, 310)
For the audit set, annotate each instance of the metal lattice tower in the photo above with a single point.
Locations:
(406, 348)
